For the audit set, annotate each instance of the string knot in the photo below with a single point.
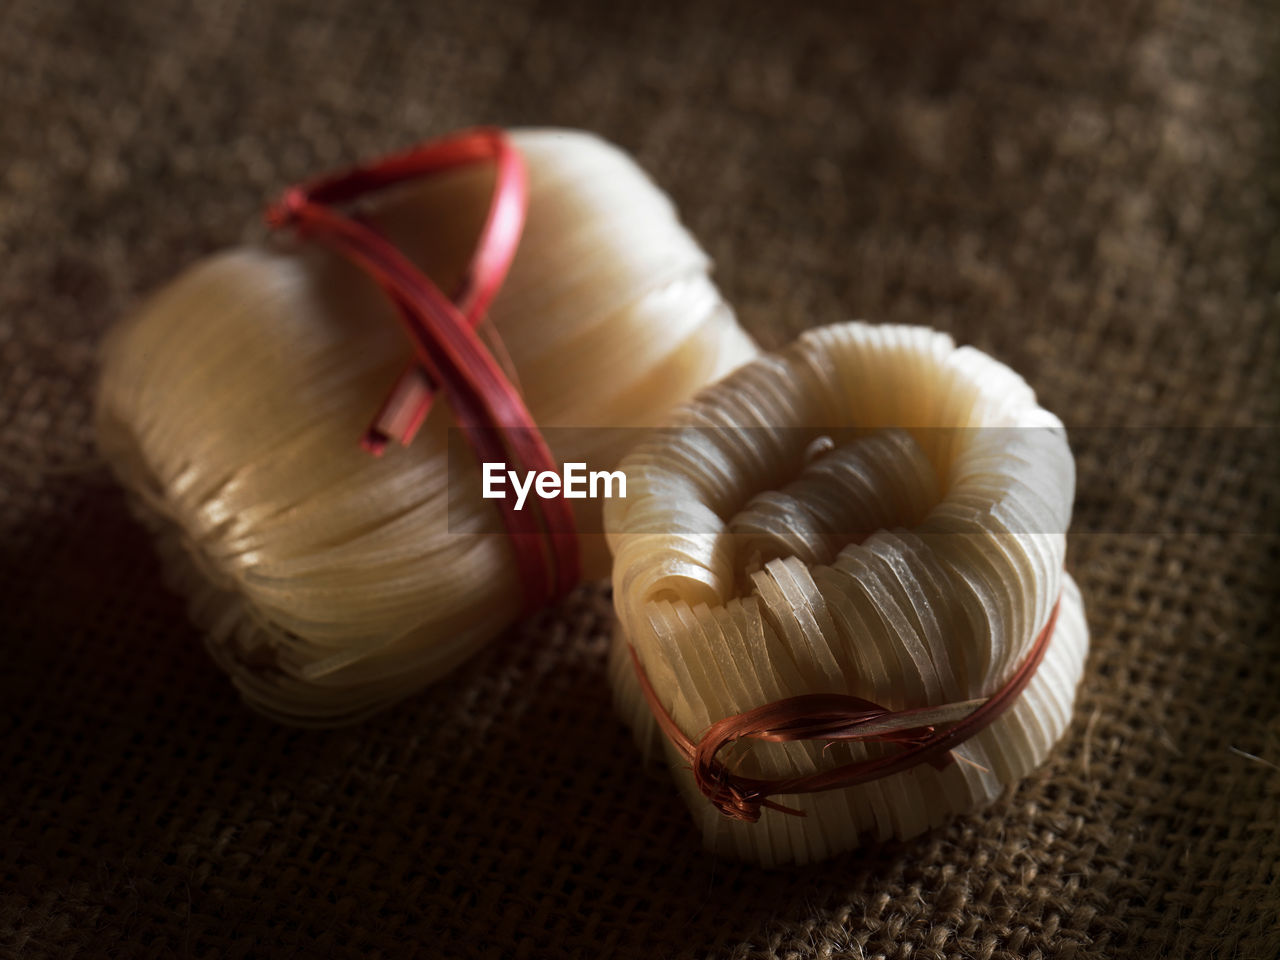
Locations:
(285, 211)
(924, 734)
(449, 356)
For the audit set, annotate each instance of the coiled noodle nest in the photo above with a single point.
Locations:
(331, 583)
(873, 511)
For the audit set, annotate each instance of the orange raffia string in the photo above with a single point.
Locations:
(449, 355)
(836, 718)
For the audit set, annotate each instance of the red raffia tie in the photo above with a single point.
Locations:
(836, 718)
(450, 357)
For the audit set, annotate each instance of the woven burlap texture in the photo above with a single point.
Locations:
(1087, 191)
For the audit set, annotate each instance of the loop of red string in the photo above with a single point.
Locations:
(836, 718)
(449, 356)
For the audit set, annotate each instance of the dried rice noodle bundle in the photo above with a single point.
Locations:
(870, 512)
(331, 583)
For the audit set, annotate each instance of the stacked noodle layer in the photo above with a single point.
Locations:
(870, 512)
(331, 583)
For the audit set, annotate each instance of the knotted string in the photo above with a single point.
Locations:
(836, 718)
(449, 354)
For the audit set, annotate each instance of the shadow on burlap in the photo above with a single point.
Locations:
(1087, 191)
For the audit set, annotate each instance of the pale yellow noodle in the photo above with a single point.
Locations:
(331, 583)
(872, 511)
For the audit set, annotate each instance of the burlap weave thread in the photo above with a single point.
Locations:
(1087, 191)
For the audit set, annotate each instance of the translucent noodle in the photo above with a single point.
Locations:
(331, 583)
(870, 512)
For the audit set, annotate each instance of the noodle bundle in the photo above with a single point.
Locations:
(331, 583)
(871, 512)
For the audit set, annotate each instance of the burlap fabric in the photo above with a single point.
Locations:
(1087, 191)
